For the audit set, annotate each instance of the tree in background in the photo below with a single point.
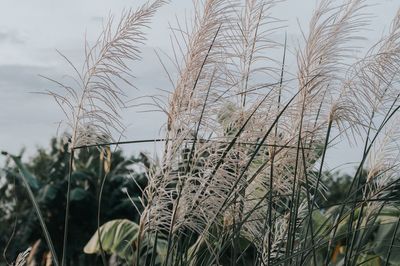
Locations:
(19, 225)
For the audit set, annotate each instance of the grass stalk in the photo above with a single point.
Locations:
(66, 219)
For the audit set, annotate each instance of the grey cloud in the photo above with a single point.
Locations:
(11, 37)
(16, 79)
(18, 103)
(25, 116)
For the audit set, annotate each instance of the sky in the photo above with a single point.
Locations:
(31, 33)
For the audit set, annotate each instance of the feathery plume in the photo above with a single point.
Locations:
(92, 109)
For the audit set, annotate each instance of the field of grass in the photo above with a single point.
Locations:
(242, 178)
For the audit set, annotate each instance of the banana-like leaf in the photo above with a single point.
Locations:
(387, 232)
(117, 237)
(377, 246)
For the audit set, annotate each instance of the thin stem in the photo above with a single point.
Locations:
(99, 196)
(319, 178)
(271, 181)
(65, 242)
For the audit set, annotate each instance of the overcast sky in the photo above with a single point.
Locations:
(31, 32)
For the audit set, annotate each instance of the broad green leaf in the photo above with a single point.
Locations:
(116, 237)
(383, 240)
(119, 237)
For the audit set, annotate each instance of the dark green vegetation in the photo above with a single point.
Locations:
(49, 169)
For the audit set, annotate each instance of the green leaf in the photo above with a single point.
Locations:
(32, 181)
(382, 242)
(119, 237)
(80, 176)
(79, 194)
(48, 193)
(321, 222)
(369, 260)
(116, 236)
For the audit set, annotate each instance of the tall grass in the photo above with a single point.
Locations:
(246, 141)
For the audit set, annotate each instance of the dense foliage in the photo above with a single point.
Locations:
(50, 170)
